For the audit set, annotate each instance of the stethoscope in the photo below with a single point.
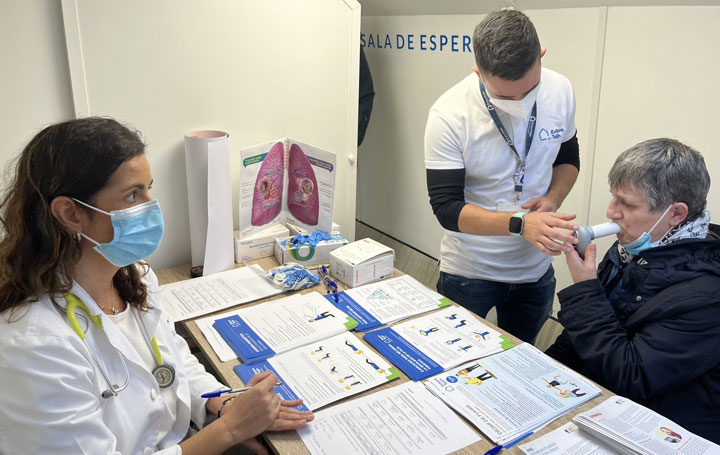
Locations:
(164, 374)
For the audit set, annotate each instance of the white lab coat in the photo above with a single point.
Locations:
(50, 390)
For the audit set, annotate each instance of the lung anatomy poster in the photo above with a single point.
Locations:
(286, 180)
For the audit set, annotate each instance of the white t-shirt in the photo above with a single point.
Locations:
(128, 325)
(460, 134)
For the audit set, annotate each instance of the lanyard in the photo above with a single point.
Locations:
(519, 176)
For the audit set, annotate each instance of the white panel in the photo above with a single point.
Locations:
(259, 70)
(435, 7)
(659, 80)
(34, 80)
(392, 193)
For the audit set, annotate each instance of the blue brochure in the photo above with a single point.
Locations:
(246, 372)
(247, 344)
(402, 354)
(347, 305)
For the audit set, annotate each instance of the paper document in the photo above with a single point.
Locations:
(384, 302)
(512, 393)
(402, 420)
(261, 331)
(221, 348)
(631, 428)
(566, 440)
(430, 344)
(326, 371)
(197, 296)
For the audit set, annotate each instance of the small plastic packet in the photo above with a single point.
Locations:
(292, 277)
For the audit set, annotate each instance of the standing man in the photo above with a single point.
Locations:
(501, 155)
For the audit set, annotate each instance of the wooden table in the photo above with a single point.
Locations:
(289, 442)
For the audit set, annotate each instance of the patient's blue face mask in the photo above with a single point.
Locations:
(138, 231)
(643, 243)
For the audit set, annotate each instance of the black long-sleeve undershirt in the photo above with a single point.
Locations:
(446, 187)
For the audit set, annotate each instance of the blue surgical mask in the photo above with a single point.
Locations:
(643, 243)
(138, 231)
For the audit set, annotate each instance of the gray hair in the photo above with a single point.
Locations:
(664, 171)
(506, 45)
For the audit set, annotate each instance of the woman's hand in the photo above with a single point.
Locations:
(290, 418)
(254, 411)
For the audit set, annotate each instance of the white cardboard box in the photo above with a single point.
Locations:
(259, 244)
(294, 230)
(362, 262)
(306, 255)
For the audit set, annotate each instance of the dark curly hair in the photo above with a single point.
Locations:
(75, 158)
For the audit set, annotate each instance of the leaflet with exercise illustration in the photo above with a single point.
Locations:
(431, 344)
(401, 420)
(261, 331)
(629, 428)
(510, 394)
(388, 301)
(324, 372)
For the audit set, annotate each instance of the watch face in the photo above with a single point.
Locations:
(516, 225)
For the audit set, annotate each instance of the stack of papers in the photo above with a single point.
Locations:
(261, 331)
(324, 372)
(195, 297)
(437, 342)
(402, 420)
(629, 428)
(221, 348)
(566, 440)
(513, 393)
(385, 302)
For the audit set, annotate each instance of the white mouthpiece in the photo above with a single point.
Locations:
(605, 229)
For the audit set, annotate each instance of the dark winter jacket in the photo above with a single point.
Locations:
(650, 330)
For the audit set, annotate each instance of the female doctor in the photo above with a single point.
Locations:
(89, 362)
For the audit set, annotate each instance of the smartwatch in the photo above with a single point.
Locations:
(517, 223)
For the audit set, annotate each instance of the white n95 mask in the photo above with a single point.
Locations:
(518, 108)
(137, 232)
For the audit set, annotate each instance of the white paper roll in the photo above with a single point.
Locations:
(209, 184)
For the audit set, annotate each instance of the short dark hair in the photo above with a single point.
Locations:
(664, 171)
(506, 45)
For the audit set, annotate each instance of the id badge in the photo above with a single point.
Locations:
(508, 207)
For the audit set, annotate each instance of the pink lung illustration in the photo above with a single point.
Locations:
(267, 199)
(302, 200)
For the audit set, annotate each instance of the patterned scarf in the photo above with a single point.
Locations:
(695, 229)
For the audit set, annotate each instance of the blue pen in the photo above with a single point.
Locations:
(497, 449)
(223, 392)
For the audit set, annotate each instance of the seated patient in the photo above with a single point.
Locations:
(646, 323)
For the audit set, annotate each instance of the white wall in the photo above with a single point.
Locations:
(34, 79)
(258, 70)
(660, 79)
(637, 72)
